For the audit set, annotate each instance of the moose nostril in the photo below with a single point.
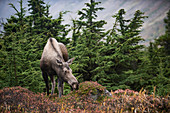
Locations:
(75, 86)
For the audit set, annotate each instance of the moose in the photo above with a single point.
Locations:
(55, 61)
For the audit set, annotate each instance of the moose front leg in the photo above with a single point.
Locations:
(53, 84)
(45, 76)
(60, 86)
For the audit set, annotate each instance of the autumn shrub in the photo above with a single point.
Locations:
(89, 98)
(18, 99)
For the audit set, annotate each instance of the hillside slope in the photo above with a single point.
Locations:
(155, 9)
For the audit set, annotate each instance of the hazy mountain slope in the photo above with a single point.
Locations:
(155, 9)
(152, 28)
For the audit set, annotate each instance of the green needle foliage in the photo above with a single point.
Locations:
(23, 41)
(87, 43)
(114, 58)
(120, 55)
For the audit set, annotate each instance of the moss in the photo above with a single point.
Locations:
(88, 89)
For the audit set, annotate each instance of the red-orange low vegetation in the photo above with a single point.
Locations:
(89, 98)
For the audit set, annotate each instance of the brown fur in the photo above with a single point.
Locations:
(64, 51)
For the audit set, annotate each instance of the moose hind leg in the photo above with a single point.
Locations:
(53, 84)
(60, 87)
(45, 76)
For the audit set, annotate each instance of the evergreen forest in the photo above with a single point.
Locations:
(115, 58)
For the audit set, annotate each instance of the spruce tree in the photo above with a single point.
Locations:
(159, 57)
(37, 11)
(153, 71)
(164, 40)
(120, 56)
(87, 43)
(11, 45)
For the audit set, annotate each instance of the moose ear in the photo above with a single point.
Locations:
(70, 61)
(59, 62)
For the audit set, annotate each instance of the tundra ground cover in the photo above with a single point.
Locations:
(84, 100)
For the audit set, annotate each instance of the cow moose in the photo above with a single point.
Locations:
(54, 61)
